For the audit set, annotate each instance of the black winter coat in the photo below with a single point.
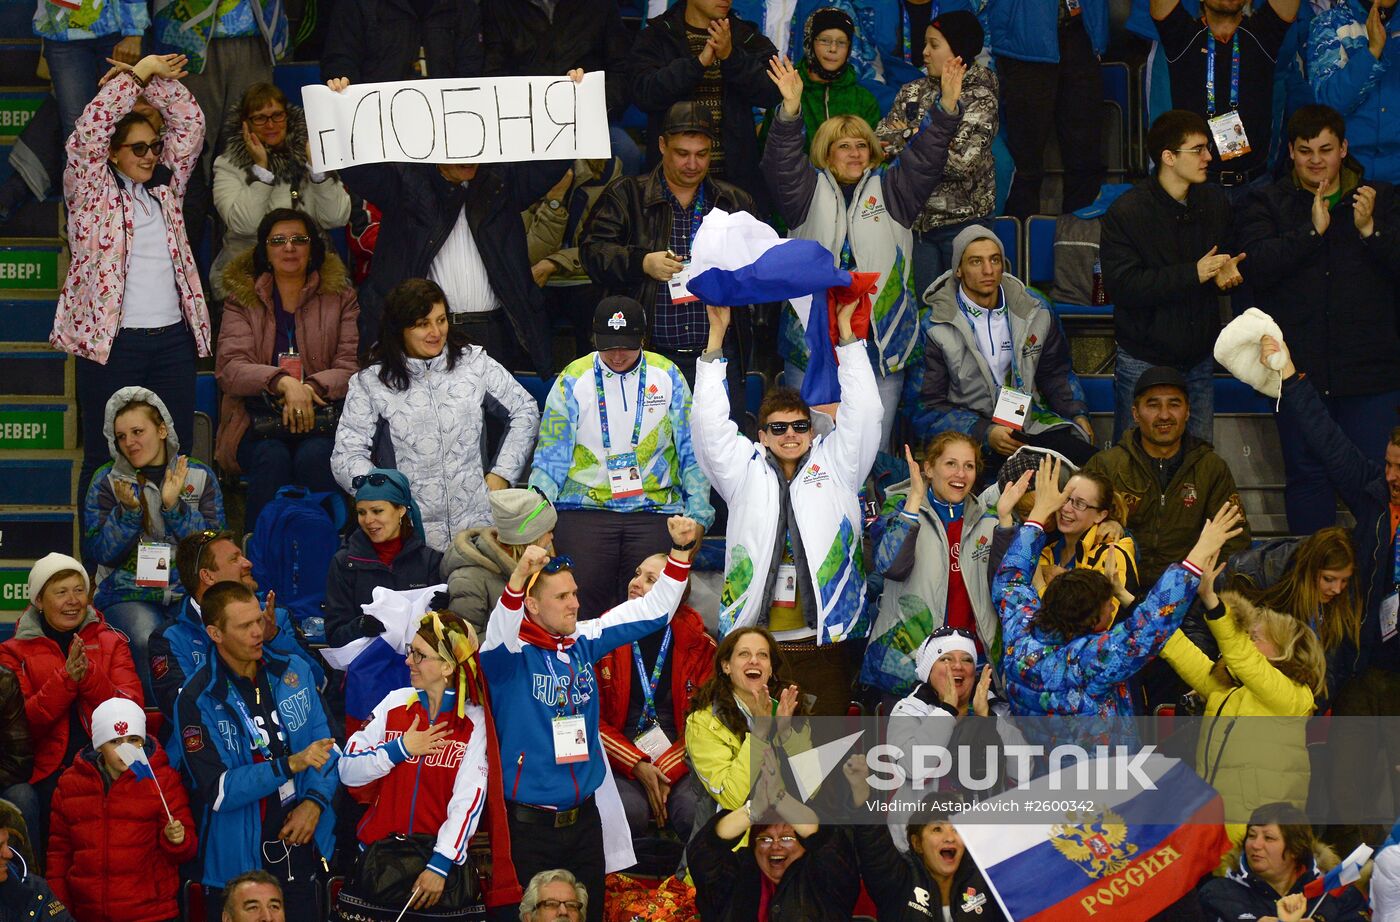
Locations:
(821, 886)
(420, 209)
(375, 41)
(16, 751)
(633, 218)
(904, 891)
(29, 899)
(664, 72)
(356, 571)
(1149, 246)
(1227, 899)
(1333, 294)
(1361, 482)
(521, 42)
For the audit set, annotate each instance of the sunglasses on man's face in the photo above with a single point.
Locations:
(374, 480)
(142, 148)
(798, 425)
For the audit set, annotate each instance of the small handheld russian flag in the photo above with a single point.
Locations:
(135, 759)
(1336, 880)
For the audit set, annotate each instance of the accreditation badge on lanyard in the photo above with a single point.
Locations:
(624, 471)
(1390, 606)
(1226, 130)
(287, 791)
(153, 565)
(650, 738)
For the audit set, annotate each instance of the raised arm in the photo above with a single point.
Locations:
(785, 166)
(724, 454)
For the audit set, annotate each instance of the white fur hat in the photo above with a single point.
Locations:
(934, 647)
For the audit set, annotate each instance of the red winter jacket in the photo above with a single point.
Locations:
(693, 661)
(50, 693)
(108, 858)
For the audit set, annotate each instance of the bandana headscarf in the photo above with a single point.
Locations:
(458, 646)
(393, 489)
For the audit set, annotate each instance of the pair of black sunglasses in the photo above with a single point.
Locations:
(374, 480)
(142, 148)
(798, 425)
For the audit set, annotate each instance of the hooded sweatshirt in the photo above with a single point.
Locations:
(112, 533)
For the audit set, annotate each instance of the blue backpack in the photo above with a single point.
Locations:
(296, 538)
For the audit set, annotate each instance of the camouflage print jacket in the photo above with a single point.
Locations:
(968, 189)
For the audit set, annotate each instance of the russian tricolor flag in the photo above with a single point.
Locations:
(1124, 862)
(140, 766)
(738, 260)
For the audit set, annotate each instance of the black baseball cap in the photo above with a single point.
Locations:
(689, 116)
(1160, 376)
(619, 323)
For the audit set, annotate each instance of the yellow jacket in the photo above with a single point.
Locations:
(1095, 556)
(721, 762)
(1250, 762)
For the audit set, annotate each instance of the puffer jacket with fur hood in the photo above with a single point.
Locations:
(112, 532)
(327, 335)
(50, 694)
(475, 568)
(243, 198)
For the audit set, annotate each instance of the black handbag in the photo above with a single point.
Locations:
(266, 416)
(388, 869)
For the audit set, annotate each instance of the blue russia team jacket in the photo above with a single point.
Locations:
(227, 783)
(534, 681)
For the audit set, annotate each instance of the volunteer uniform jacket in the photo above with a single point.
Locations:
(1047, 675)
(914, 557)
(108, 855)
(956, 387)
(179, 648)
(440, 794)
(571, 466)
(874, 222)
(542, 684)
(228, 777)
(692, 663)
(904, 891)
(50, 693)
(26, 897)
(823, 497)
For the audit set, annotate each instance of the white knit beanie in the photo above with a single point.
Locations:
(46, 568)
(116, 718)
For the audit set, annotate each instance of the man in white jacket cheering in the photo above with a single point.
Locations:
(793, 557)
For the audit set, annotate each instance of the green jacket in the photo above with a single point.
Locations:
(821, 101)
(1166, 523)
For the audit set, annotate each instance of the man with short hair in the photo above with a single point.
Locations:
(614, 455)
(639, 237)
(1325, 252)
(1221, 64)
(794, 512)
(538, 656)
(253, 897)
(1354, 66)
(552, 895)
(699, 53)
(258, 757)
(988, 341)
(1171, 480)
(1164, 248)
(180, 646)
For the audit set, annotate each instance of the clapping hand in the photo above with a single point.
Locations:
(1229, 274)
(1364, 210)
(981, 698)
(950, 84)
(787, 701)
(913, 500)
(77, 661)
(174, 482)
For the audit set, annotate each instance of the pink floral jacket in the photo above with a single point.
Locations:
(100, 220)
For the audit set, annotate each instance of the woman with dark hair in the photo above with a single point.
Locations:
(286, 353)
(265, 166)
(132, 308)
(1063, 656)
(430, 753)
(1312, 580)
(424, 396)
(1280, 857)
(744, 685)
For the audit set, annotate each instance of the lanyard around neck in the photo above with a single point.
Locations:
(649, 718)
(1210, 72)
(603, 401)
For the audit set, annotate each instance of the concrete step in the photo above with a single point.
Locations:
(31, 265)
(19, 58)
(27, 317)
(17, 106)
(39, 478)
(30, 533)
(29, 371)
(38, 426)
